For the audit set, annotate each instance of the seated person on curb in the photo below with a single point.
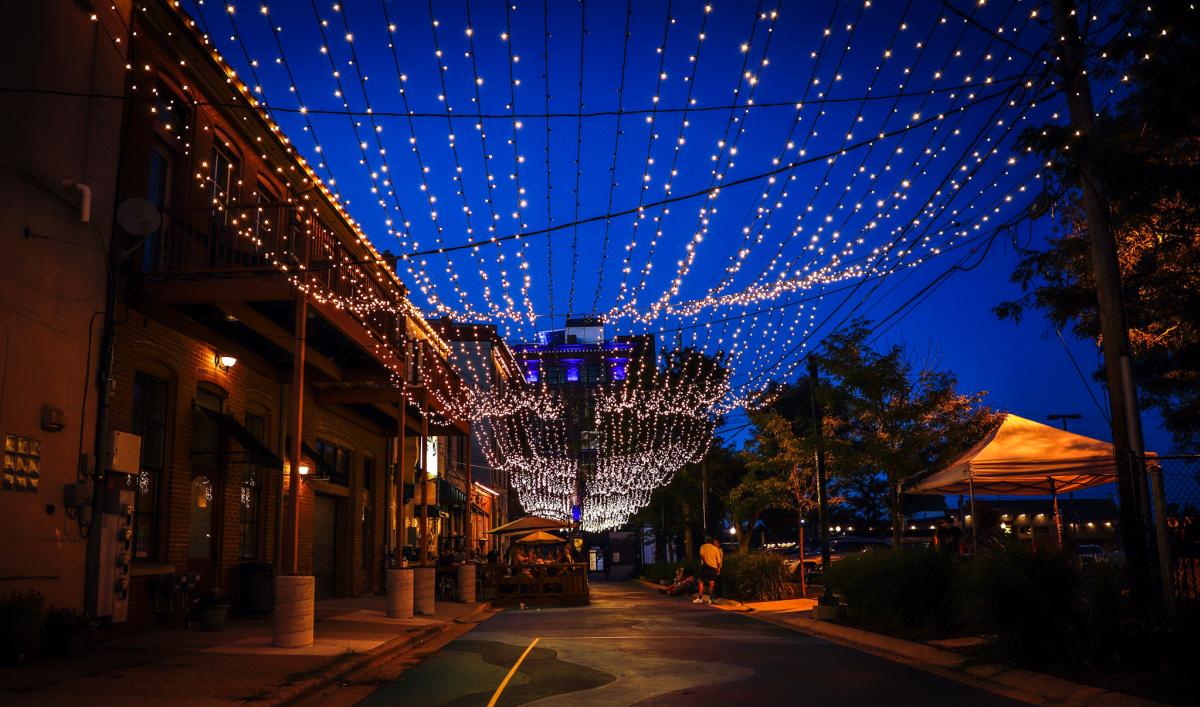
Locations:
(682, 584)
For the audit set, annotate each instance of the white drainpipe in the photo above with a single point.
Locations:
(85, 204)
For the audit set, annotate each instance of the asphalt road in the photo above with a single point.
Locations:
(634, 647)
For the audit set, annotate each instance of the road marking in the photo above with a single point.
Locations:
(504, 683)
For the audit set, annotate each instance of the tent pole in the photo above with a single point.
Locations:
(974, 517)
(1057, 518)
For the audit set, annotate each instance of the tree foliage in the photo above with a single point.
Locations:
(889, 420)
(1146, 153)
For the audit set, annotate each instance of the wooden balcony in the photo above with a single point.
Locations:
(240, 276)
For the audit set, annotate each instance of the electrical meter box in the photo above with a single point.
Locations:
(126, 453)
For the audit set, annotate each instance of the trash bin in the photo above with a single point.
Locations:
(257, 580)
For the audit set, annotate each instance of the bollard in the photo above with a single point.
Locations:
(400, 594)
(423, 588)
(466, 583)
(292, 626)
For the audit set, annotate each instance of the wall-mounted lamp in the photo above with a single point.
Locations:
(304, 470)
(224, 361)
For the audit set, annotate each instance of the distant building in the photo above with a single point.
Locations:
(1084, 520)
(483, 360)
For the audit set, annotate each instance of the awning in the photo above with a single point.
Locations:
(256, 451)
(1023, 458)
(450, 495)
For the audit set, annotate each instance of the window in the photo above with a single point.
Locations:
(222, 187)
(206, 434)
(150, 422)
(170, 112)
(591, 374)
(251, 491)
(554, 375)
(368, 478)
(368, 517)
(337, 462)
(158, 190)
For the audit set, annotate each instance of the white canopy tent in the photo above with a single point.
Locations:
(1021, 457)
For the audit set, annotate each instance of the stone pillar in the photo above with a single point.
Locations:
(423, 589)
(400, 594)
(294, 608)
(466, 583)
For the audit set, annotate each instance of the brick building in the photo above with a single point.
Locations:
(237, 280)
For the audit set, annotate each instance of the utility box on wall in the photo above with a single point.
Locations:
(126, 453)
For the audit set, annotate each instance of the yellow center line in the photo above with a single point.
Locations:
(504, 683)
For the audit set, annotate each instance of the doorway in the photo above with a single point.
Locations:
(325, 555)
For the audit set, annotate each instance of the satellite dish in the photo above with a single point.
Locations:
(138, 217)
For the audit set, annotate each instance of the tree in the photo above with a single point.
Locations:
(750, 498)
(777, 450)
(1147, 154)
(890, 421)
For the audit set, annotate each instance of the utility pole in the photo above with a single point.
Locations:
(822, 490)
(1118, 371)
(1064, 416)
(704, 495)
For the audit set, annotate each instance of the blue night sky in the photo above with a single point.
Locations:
(842, 225)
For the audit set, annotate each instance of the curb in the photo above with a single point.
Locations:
(373, 658)
(1025, 685)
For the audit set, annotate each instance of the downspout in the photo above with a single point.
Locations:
(85, 198)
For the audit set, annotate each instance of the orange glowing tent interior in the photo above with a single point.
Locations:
(541, 537)
(1021, 457)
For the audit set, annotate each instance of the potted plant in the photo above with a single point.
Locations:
(211, 610)
(20, 626)
(66, 632)
(826, 607)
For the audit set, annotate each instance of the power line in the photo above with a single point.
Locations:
(303, 110)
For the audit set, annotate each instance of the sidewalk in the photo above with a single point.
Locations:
(237, 664)
(933, 657)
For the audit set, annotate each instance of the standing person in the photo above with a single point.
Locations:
(948, 538)
(711, 560)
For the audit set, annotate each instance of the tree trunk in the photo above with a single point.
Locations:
(689, 541)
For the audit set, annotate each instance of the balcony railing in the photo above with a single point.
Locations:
(222, 246)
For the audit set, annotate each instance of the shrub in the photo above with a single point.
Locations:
(1028, 600)
(755, 577)
(905, 592)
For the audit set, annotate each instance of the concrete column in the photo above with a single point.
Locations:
(294, 608)
(400, 594)
(466, 583)
(423, 590)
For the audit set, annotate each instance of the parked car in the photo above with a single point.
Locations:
(1090, 553)
(838, 548)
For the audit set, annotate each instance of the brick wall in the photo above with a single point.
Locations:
(176, 351)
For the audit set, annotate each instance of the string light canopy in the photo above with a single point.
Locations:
(736, 179)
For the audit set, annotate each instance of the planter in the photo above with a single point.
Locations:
(824, 612)
(66, 640)
(212, 617)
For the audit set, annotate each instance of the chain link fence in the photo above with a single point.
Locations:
(1181, 502)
